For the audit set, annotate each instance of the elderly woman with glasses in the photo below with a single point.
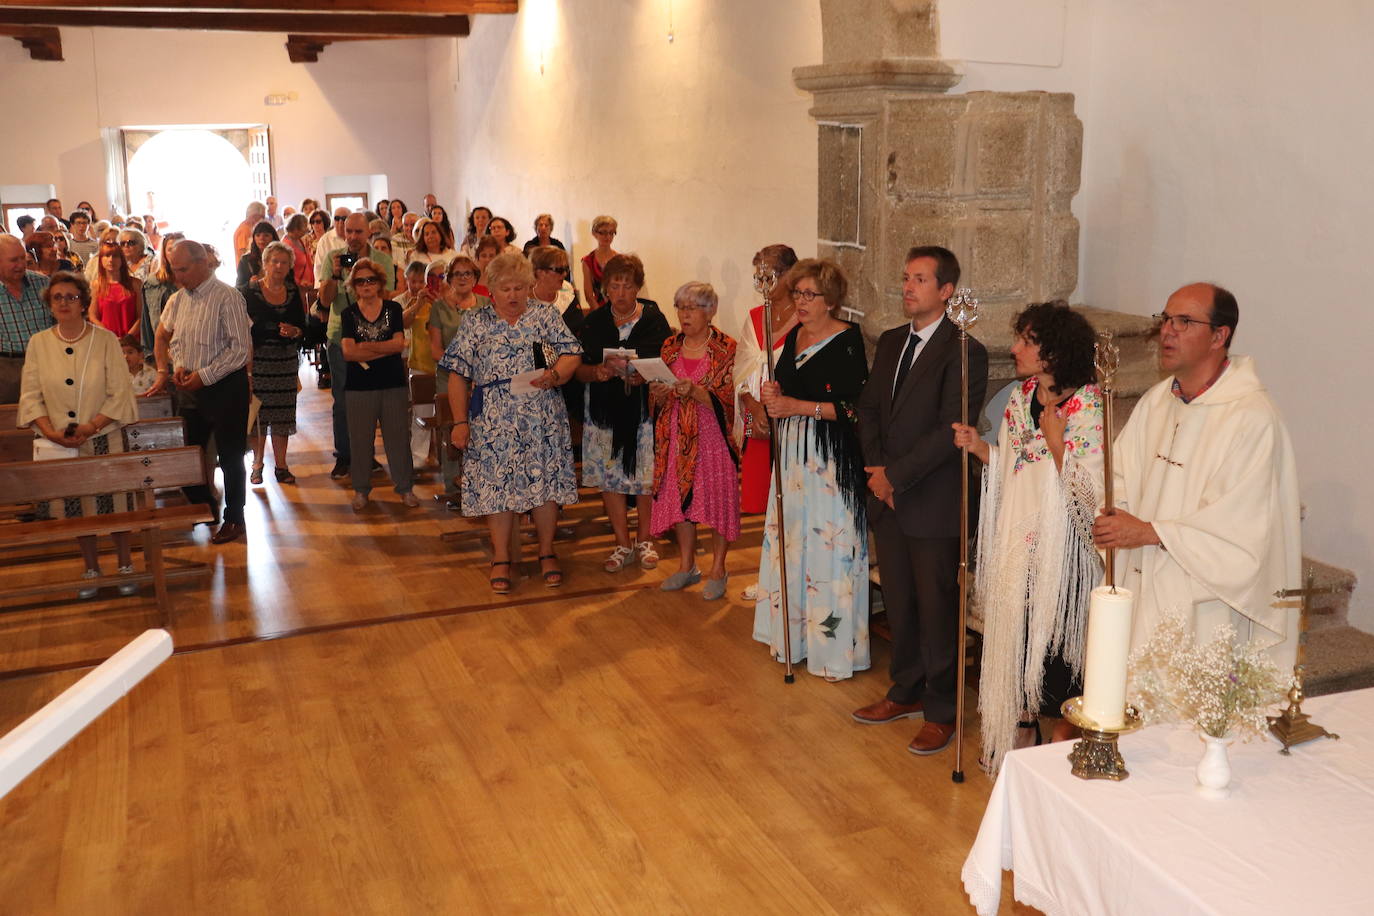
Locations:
(696, 467)
(75, 394)
(377, 385)
(518, 454)
(618, 430)
(449, 298)
(276, 309)
(820, 373)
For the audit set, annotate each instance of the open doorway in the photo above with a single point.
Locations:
(196, 181)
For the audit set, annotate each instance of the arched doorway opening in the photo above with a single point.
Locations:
(195, 181)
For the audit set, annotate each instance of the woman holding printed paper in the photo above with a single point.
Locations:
(75, 394)
(1037, 566)
(506, 362)
(696, 468)
(618, 431)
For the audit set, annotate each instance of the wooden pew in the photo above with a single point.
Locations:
(137, 472)
(16, 444)
(8, 414)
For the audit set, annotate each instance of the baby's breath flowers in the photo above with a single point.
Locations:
(1220, 687)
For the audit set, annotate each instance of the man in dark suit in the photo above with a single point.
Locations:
(905, 416)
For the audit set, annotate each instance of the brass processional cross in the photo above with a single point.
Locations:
(1293, 726)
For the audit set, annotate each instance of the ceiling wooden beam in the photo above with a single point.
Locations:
(42, 42)
(432, 7)
(306, 49)
(301, 23)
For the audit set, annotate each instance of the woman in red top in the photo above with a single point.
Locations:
(594, 262)
(118, 297)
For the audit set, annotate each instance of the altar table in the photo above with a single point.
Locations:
(1295, 836)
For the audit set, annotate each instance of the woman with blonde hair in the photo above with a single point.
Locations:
(594, 262)
(518, 457)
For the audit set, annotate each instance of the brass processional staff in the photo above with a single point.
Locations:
(962, 311)
(764, 281)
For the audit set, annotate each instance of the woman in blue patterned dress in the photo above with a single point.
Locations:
(820, 373)
(518, 454)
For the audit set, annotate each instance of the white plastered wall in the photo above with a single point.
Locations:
(362, 109)
(701, 147)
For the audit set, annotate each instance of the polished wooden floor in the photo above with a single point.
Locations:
(354, 724)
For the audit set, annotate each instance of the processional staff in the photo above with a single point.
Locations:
(765, 280)
(962, 310)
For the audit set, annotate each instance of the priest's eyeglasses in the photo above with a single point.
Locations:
(1180, 323)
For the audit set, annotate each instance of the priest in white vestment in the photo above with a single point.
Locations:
(1207, 520)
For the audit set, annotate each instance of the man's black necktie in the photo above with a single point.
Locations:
(908, 357)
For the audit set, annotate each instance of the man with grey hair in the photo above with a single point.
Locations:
(332, 242)
(22, 313)
(272, 216)
(202, 347)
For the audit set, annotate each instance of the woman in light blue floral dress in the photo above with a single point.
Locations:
(518, 454)
(820, 374)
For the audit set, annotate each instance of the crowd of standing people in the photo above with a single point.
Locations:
(667, 412)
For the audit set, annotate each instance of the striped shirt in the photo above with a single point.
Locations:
(24, 317)
(209, 327)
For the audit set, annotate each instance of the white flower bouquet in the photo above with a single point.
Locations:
(1220, 687)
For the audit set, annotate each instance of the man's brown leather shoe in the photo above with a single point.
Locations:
(933, 738)
(886, 711)
(229, 531)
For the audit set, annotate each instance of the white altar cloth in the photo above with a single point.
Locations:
(1296, 835)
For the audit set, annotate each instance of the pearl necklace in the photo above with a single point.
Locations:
(82, 333)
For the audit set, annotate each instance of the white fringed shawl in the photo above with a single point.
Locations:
(1036, 565)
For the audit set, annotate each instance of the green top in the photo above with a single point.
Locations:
(447, 318)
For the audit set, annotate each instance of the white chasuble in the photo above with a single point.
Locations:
(1217, 479)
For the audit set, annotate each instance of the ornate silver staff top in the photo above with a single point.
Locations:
(962, 309)
(1107, 359)
(765, 278)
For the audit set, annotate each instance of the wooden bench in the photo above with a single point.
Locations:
(138, 472)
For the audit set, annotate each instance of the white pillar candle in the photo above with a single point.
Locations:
(1109, 645)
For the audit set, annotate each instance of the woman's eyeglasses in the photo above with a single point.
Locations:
(804, 295)
(366, 281)
(462, 275)
(561, 271)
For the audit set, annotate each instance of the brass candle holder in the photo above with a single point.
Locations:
(1096, 755)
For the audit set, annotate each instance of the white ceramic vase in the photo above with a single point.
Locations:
(1214, 769)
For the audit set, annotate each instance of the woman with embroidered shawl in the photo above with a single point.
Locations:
(695, 465)
(617, 430)
(1037, 566)
(819, 376)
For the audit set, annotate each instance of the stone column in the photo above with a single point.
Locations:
(989, 175)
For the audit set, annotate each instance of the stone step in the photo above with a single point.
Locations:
(1339, 658)
(1331, 610)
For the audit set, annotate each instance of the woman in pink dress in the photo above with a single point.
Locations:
(117, 295)
(594, 262)
(696, 467)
